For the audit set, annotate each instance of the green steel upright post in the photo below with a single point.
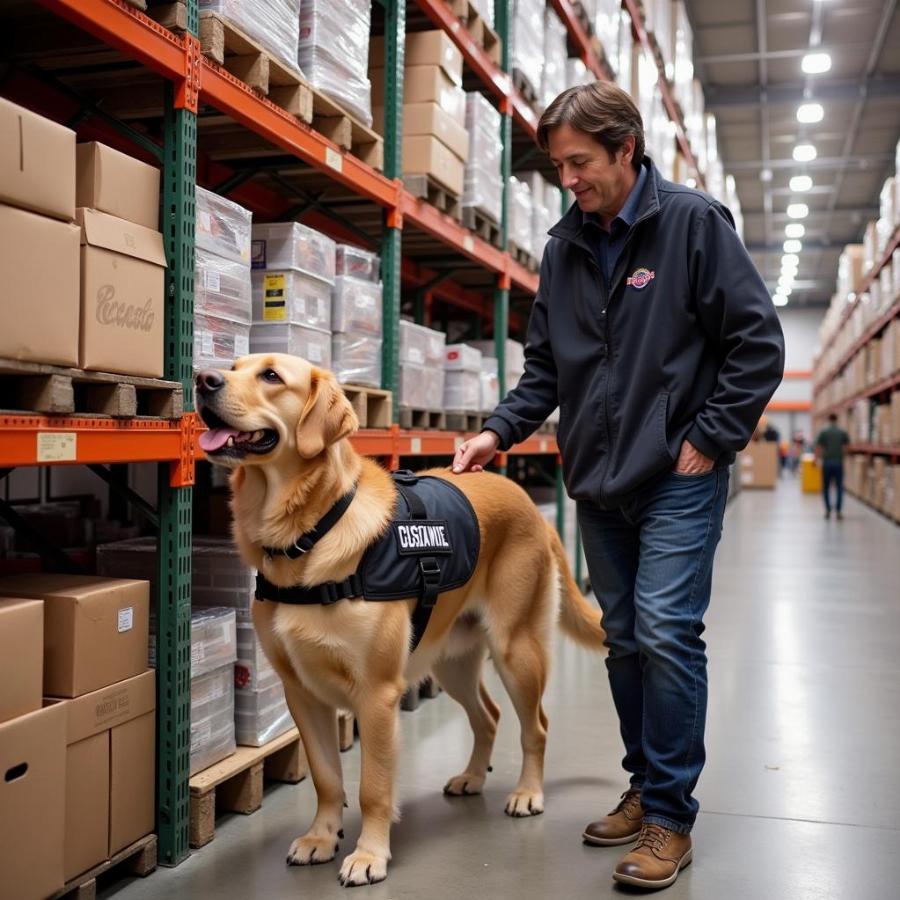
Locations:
(560, 502)
(173, 667)
(501, 293)
(394, 40)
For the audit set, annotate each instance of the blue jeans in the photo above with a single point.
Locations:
(650, 563)
(833, 472)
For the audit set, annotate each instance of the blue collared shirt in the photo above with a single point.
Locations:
(608, 244)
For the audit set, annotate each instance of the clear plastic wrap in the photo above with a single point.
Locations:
(412, 393)
(356, 306)
(222, 226)
(577, 73)
(485, 10)
(435, 379)
(527, 40)
(555, 51)
(252, 671)
(606, 28)
(625, 53)
(520, 204)
(286, 295)
(490, 391)
(462, 357)
(483, 186)
(514, 353)
(333, 52)
(219, 342)
(213, 639)
(260, 716)
(356, 359)
(290, 245)
(313, 344)
(221, 287)
(212, 693)
(271, 23)
(212, 740)
(462, 390)
(420, 345)
(350, 260)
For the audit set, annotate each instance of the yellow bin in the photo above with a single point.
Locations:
(810, 474)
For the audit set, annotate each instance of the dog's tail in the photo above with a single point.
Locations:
(578, 618)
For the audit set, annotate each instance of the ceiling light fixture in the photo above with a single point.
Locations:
(797, 210)
(815, 63)
(790, 259)
(792, 246)
(804, 153)
(786, 278)
(801, 183)
(794, 230)
(810, 113)
(780, 300)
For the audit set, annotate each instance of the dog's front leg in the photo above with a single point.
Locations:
(318, 727)
(377, 716)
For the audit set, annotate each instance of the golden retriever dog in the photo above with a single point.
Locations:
(281, 425)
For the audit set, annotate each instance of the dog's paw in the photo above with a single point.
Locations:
(312, 850)
(464, 785)
(361, 867)
(520, 804)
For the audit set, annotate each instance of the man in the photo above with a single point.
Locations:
(830, 446)
(657, 338)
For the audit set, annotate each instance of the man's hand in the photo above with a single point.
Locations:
(475, 453)
(692, 462)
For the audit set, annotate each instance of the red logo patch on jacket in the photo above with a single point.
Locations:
(640, 278)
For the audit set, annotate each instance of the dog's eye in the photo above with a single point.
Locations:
(271, 376)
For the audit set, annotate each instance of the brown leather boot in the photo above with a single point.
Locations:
(657, 858)
(621, 826)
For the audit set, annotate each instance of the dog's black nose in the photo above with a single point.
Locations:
(209, 381)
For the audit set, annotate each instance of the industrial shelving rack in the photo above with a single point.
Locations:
(192, 81)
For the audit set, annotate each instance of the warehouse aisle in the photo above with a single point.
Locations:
(800, 798)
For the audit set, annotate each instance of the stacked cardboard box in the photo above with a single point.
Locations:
(97, 732)
(271, 23)
(435, 142)
(483, 174)
(39, 257)
(334, 52)
(758, 465)
(222, 270)
(293, 279)
(422, 375)
(462, 378)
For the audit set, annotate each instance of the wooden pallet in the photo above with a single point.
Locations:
(423, 419)
(523, 257)
(482, 225)
(373, 407)
(236, 784)
(138, 4)
(479, 30)
(436, 194)
(137, 859)
(469, 422)
(36, 387)
(523, 85)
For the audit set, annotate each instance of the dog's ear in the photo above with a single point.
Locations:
(327, 416)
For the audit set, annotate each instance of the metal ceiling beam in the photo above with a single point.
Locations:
(770, 55)
(808, 247)
(876, 161)
(864, 211)
(724, 96)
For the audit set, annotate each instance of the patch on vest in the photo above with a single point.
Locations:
(415, 537)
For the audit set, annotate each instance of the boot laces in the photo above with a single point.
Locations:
(652, 836)
(629, 804)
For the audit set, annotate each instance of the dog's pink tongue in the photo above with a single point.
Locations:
(216, 438)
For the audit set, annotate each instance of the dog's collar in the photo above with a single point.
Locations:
(309, 539)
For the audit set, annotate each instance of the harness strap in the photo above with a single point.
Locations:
(429, 568)
(318, 595)
(307, 541)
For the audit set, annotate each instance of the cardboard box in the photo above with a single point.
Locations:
(429, 118)
(424, 48)
(122, 294)
(21, 657)
(37, 163)
(115, 183)
(758, 465)
(33, 760)
(425, 84)
(428, 156)
(39, 274)
(95, 629)
(110, 771)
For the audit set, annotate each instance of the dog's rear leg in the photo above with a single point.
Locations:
(460, 677)
(318, 727)
(377, 713)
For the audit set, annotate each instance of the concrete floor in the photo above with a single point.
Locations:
(800, 797)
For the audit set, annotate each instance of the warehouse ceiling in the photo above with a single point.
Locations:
(747, 55)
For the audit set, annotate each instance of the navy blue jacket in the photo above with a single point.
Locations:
(686, 345)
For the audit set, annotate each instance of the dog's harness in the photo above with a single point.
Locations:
(429, 548)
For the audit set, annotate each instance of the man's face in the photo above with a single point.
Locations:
(600, 184)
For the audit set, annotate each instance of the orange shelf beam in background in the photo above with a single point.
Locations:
(789, 406)
(797, 373)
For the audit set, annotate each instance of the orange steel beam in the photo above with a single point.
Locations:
(797, 373)
(580, 38)
(789, 406)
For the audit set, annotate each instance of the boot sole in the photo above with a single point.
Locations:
(662, 883)
(610, 842)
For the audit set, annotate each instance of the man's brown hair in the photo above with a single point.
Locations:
(602, 110)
